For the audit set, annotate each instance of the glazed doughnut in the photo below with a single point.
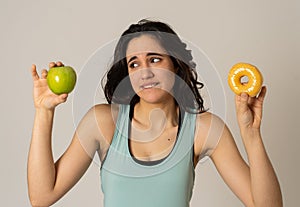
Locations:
(241, 70)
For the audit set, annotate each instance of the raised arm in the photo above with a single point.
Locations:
(255, 184)
(48, 180)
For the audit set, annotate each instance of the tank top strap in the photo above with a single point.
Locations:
(119, 140)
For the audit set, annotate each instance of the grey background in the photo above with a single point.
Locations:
(265, 33)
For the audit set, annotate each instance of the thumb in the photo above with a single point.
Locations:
(61, 98)
(242, 102)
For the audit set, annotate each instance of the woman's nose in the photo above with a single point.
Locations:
(146, 73)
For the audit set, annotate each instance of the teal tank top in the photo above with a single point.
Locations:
(127, 183)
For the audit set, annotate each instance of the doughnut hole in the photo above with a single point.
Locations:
(244, 80)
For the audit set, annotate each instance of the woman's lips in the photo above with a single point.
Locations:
(149, 85)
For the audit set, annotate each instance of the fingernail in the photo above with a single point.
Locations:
(244, 95)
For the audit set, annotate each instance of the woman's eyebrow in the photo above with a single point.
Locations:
(148, 54)
(154, 54)
(131, 59)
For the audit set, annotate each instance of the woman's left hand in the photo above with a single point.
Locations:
(249, 110)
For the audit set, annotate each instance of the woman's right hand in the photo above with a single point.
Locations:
(43, 97)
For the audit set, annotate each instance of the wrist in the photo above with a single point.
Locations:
(44, 112)
(43, 122)
(250, 132)
(251, 137)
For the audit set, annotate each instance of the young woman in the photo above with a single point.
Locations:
(152, 133)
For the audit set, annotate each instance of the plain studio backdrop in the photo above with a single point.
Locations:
(265, 33)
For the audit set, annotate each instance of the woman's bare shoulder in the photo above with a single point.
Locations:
(97, 128)
(106, 117)
(107, 110)
(99, 122)
(209, 129)
(208, 120)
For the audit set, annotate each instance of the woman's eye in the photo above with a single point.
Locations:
(155, 60)
(133, 65)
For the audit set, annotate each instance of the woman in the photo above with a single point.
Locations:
(152, 133)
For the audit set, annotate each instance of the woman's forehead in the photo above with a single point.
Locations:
(144, 44)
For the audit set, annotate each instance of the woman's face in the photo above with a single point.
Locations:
(151, 70)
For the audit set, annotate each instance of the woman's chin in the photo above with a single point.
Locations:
(155, 96)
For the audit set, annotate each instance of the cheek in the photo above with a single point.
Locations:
(134, 80)
(167, 78)
(170, 83)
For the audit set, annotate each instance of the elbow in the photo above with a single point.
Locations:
(39, 203)
(274, 203)
(36, 203)
(40, 200)
(279, 203)
(267, 201)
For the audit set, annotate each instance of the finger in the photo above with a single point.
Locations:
(44, 73)
(243, 102)
(34, 74)
(52, 64)
(59, 64)
(262, 94)
(61, 98)
(251, 100)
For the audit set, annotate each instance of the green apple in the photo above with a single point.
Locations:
(61, 79)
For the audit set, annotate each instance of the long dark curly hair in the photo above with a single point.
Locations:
(117, 86)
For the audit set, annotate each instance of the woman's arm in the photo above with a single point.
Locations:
(47, 180)
(214, 136)
(264, 183)
(255, 184)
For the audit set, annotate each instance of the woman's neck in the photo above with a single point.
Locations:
(149, 115)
